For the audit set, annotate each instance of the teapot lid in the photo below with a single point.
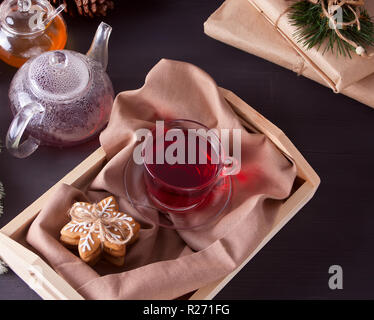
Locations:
(26, 17)
(58, 75)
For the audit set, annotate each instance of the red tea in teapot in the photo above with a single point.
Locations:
(61, 97)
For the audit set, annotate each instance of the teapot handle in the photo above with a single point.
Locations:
(17, 129)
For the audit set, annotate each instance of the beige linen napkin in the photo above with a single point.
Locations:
(164, 263)
(239, 24)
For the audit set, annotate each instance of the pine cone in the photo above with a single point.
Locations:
(89, 8)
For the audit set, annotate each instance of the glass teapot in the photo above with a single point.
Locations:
(60, 98)
(29, 28)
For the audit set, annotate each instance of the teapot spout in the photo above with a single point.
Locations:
(99, 47)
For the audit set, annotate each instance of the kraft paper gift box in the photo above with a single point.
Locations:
(241, 24)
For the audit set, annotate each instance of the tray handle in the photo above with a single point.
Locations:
(35, 272)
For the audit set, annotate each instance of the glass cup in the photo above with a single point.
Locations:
(183, 160)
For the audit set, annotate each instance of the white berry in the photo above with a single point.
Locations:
(360, 50)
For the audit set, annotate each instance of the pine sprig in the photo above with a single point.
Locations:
(2, 193)
(313, 29)
(3, 267)
(1, 198)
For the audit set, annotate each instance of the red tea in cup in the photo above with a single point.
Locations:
(185, 181)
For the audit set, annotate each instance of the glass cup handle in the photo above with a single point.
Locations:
(230, 166)
(17, 129)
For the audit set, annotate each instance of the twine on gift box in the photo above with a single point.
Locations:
(333, 5)
(299, 69)
(328, 12)
(102, 223)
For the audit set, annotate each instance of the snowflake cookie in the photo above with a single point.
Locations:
(100, 230)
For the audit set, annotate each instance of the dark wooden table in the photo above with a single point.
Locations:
(333, 132)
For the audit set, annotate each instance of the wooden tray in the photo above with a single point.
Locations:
(49, 285)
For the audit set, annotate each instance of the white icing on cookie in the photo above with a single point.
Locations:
(85, 242)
